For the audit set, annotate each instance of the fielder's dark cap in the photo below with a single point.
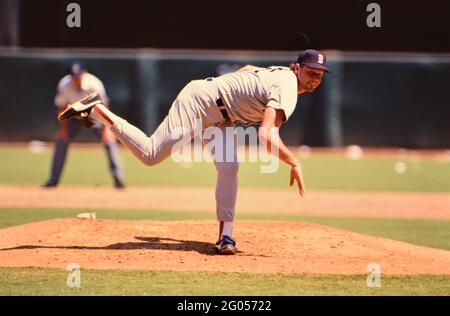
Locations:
(76, 69)
(313, 58)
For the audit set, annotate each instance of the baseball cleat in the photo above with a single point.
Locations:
(118, 183)
(226, 246)
(82, 108)
(49, 185)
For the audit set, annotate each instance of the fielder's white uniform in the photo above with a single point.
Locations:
(245, 95)
(68, 93)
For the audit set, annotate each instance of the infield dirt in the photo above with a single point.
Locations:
(257, 201)
(264, 246)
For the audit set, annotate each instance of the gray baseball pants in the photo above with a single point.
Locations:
(61, 148)
(194, 109)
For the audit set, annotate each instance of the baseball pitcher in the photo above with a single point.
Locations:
(253, 95)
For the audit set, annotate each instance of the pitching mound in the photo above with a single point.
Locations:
(286, 247)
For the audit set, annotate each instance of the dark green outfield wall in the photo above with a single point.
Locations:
(370, 99)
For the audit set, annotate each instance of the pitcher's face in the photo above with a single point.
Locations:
(308, 78)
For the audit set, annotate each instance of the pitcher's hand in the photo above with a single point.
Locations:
(297, 175)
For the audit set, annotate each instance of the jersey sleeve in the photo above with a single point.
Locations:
(282, 95)
(60, 98)
(97, 86)
(101, 90)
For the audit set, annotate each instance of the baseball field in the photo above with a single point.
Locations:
(390, 208)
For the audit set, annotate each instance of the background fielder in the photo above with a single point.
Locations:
(77, 84)
(266, 96)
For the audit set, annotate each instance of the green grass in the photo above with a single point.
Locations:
(430, 233)
(19, 166)
(33, 281)
(18, 216)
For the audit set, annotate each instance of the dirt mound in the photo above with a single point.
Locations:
(285, 247)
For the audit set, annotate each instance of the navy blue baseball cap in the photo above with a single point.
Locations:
(76, 69)
(313, 58)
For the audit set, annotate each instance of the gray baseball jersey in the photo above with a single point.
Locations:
(247, 94)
